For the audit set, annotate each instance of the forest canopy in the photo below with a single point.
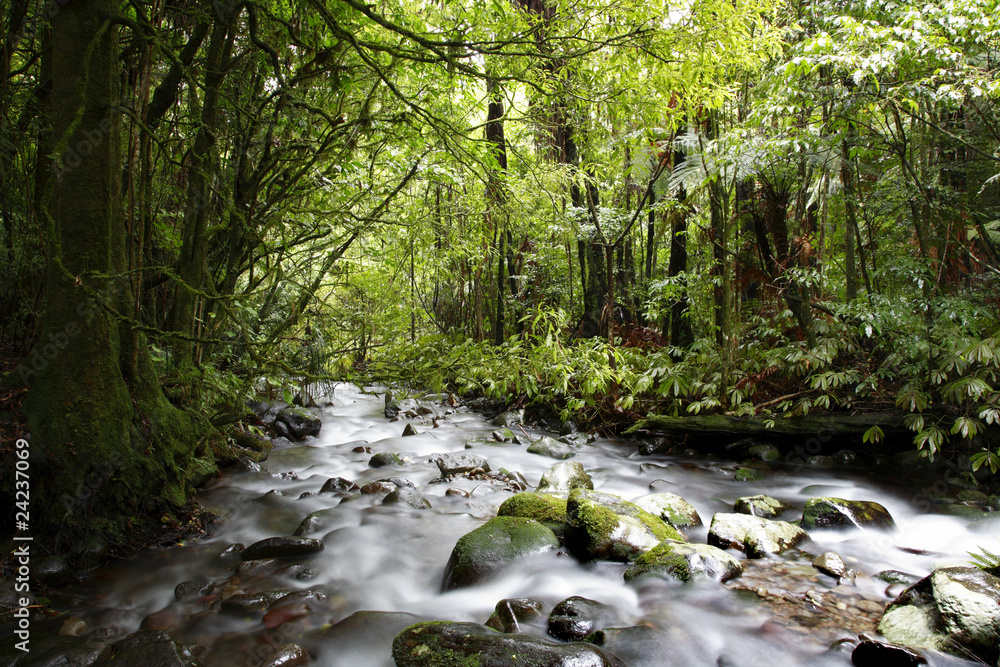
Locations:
(603, 209)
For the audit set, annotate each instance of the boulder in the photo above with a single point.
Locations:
(509, 418)
(147, 647)
(193, 589)
(299, 423)
(503, 435)
(748, 475)
(508, 615)
(564, 477)
(686, 562)
(459, 464)
(339, 485)
(954, 610)
(600, 526)
(755, 536)
(282, 547)
(552, 448)
(670, 507)
(384, 459)
(828, 512)
(762, 506)
(52, 571)
(765, 453)
(547, 510)
(448, 644)
(480, 554)
(406, 496)
(576, 617)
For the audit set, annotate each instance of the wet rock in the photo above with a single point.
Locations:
(550, 511)
(829, 512)
(503, 435)
(459, 464)
(282, 547)
(576, 617)
(821, 460)
(831, 564)
(509, 418)
(447, 644)
(147, 647)
(408, 430)
(287, 655)
(280, 443)
(600, 526)
(564, 477)
(753, 535)
(567, 427)
(406, 496)
(871, 653)
(299, 422)
(686, 562)
(303, 399)
(339, 485)
(52, 571)
(73, 627)
(748, 475)
(896, 577)
(670, 507)
(845, 456)
(231, 554)
(52, 651)
(193, 589)
(765, 453)
(552, 448)
(457, 492)
(763, 506)
(391, 408)
(973, 496)
(488, 549)
(242, 604)
(384, 459)
(954, 610)
(508, 615)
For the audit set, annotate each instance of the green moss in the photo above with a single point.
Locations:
(538, 506)
(748, 475)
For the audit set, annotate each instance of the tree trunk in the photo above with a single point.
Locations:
(496, 199)
(105, 441)
(680, 330)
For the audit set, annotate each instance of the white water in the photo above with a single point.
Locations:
(391, 558)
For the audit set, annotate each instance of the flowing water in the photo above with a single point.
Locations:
(391, 558)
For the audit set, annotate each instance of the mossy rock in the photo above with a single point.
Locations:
(547, 510)
(480, 554)
(829, 512)
(760, 505)
(564, 477)
(748, 475)
(753, 535)
(600, 526)
(686, 562)
(765, 453)
(552, 448)
(200, 471)
(670, 507)
(451, 644)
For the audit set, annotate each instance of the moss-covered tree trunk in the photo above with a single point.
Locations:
(107, 449)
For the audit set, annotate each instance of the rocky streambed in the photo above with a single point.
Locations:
(424, 535)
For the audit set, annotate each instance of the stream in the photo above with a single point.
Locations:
(382, 565)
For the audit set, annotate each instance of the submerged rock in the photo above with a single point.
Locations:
(508, 615)
(670, 507)
(828, 512)
(406, 496)
(448, 644)
(600, 526)
(762, 506)
(282, 547)
(954, 610)
(564, 477)
(576, 617)
(547, 510)
(686, 562)
(753, 535)
(552, 448)
(488, 549)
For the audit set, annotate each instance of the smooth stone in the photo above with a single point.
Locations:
(481, 553)
(871, 653)
(755, 536)
(193, 589)
(299, 422)
(748, 475)
(450, 644)
(384, 459)
(829, 512)
(52, 571)
(406, 496)
(763, 506)
(287, 655)
(831, 564)
(576, 617)
(408, 430)
(564, 477)
(766, 453)
(147, 647)
(686, 562)
(670, 507)
(459, 464)
(552, 448)
(282, 547)
(509, 419)
(339, 485)
(508, 615)
(503, 435)
(601, 526)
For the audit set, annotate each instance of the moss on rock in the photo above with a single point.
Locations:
(500, 541)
